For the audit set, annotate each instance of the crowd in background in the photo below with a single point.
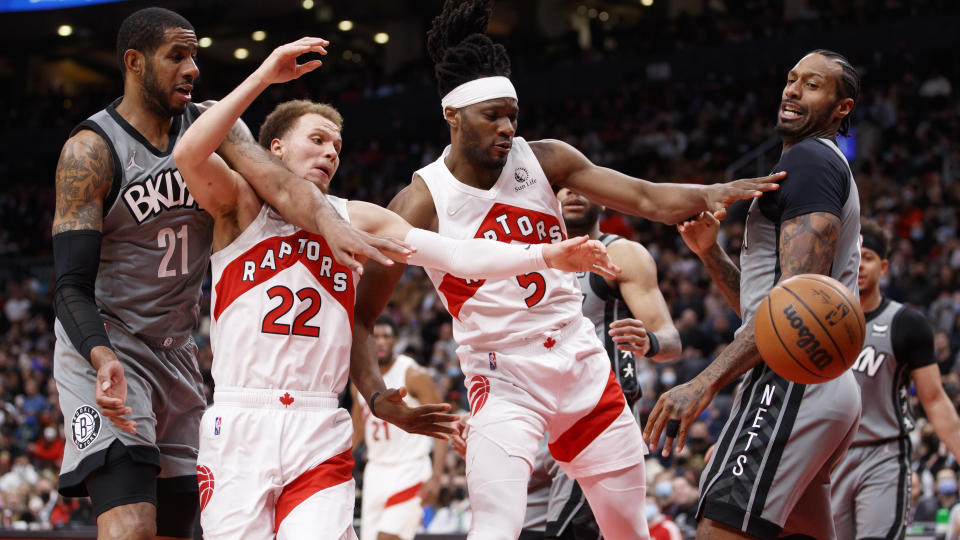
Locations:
(907, 167)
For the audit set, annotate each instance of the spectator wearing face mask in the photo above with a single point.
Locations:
(48, 450)
(661, 526)
(945, 497)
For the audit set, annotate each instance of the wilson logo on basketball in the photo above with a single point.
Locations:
(479, 390)
(805, 339)
(205, 481)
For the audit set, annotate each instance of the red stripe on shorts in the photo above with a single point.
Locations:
(569, 444)
(403, 496)
(331, 472)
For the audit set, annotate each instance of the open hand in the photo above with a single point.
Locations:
(281, 66)
(684, 402)
(720, 196)
(580, 254)
(427, 419)
(700, 234)
(111, 394)
(351, 246)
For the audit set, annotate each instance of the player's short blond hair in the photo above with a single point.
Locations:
(286, 114)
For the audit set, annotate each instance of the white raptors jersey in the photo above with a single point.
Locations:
(521, 207)
(387, 444)
(282, 309)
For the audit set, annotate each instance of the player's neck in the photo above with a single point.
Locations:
(593, 231)
(829, 133)
(386, 367)
(154, 126)
(469, 174)
(870, 300)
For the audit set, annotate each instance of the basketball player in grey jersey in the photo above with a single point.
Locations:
(632, 319)
(130, 250)
(770, 473)
(871, 487)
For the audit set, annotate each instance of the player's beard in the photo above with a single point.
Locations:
(477, 152)
(156, 97)
(813, 123)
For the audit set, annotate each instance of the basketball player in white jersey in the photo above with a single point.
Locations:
(275, 286)
(399, 478)
(531, 360)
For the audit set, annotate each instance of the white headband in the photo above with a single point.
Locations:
(478, 90)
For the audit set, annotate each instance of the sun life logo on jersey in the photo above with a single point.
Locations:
(523, 178)
(152, 195)
(85, 426)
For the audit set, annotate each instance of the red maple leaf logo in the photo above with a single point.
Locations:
(286, 399)
(549, 343)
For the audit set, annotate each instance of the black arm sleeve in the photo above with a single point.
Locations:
(912, 339)
(817, 181)
(76, 258)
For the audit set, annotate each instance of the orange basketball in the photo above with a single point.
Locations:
(810, 328)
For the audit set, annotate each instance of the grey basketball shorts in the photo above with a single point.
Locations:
(871, 491)
(165, 391)
(770, 471)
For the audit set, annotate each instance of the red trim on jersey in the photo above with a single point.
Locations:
(569, 444)
(231, 286)
(505, 223)
(331, 472)
(403, 496)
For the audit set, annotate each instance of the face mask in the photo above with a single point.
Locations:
(668, 378)
(49, 433)
(453, 372)
(663, 489)
(652, 512)
(947, 487)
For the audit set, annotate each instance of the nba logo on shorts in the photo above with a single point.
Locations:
(216, 426)
(493, 360)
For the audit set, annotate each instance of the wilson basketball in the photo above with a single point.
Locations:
(810, 328)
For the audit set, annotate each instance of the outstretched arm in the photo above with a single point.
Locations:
(297, 200)
(565, 166)
(808, 243)
(479, 258)
(84, 176)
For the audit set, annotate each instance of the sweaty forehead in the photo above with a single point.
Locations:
(317, 122)
(496, 103)
(818, 64)
(180, 37)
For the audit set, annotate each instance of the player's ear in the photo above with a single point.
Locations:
(276, 147)
(843, 108)
(134, 61)
(452, 116)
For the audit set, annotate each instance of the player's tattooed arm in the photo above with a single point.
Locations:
(83, 179)
(685, 402)
(808, 244)
(700, 234)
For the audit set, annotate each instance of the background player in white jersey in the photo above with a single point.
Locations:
(769, 475)
(531, 360)
(632, 320)
(399, 478)
(871, 489)
(270, 357)
(130, 251)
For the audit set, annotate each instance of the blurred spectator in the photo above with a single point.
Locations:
(945, 497)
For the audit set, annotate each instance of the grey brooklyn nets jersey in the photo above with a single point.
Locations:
(603, 305)
(150, 269)
(898, 341)
(767, 474)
